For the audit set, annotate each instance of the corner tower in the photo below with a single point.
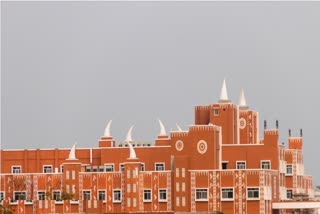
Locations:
(248, 122)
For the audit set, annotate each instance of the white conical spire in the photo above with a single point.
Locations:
(179, 128)
(129, 135)
(162, 129)
(242, 100)
(72, 154)
(132, 152)
(224, 92)
(107, 129)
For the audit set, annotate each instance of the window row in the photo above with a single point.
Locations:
(227, 194)
(162, 195)
(265, 164)
(106, 168)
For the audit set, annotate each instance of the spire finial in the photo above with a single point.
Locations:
(242, 100)
(107, 129)
(72, 154)
(224, 93)
(162, 129)
(179, 128)
(132, 152)
(129, 135)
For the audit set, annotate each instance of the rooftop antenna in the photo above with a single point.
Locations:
(277, 124)
(289, 132)
(265, 124)
(301, 133)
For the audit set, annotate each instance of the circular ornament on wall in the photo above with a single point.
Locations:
(202, 146)
(242, 123)
(179, 145)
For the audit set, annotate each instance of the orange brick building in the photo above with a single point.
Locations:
(218, 164)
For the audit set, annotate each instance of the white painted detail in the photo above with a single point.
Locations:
(129, 135)
(179, 128)
(242, 99)
(202, 146)
(224, 93)
(107, 130)
(242, 123)
(162, 129)
(295, 205)
(72, 154)
(132, 152)
(179, 145)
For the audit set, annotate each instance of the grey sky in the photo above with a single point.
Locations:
(70, 67)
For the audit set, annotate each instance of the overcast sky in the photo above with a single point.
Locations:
(70, 67)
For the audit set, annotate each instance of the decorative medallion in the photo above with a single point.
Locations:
(202, 146)
(242, 123)
(179, 145)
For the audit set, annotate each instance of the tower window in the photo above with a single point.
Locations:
(289, 169)
(47, 169)
(224, 165)
(215, 111)
(159, 166)
(227, 194)
(201, 194)
(241, 165)
(265, 165)
(16, 169)
(147, 195)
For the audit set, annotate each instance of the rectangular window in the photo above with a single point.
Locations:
(135, 173)
(16, 169)
(241, 165)
(121, 167)
(95, 169)
(289, 169)
(252, 193)
(183, 201)
(159, 166)
(134, 187)
(128, 173)
(142, 167)
(128, 188)
(47, 169)
(61, 168)
(201, 194)
(183, 172)
(67, 188)
(134, 202)
(41, 195)
(109, 167)
(73, 174)
(215, 111)
(102, 195)
(101, 169)
(177, 172)
(56, 195)
(19, 196)
(224, 165)
(183, 186)
(177, 201)
(147, 195)
(116, 196)
(162, 195)
(227, 194)
(67, 174)
(128, 202)
(86, 195)
(73, 189)
(177, 187)
(265, 165)
(88, 168)
(1, 196)
(289, 194)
